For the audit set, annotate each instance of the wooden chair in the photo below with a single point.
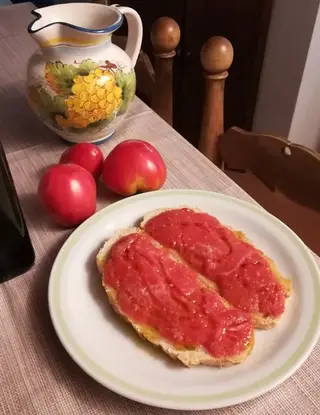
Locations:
(283, 177)
(165, 37)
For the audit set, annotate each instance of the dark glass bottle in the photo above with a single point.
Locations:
(16, 250)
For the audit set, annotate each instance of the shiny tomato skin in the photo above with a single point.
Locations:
(87, 155)
(134, 166)
(68, 194)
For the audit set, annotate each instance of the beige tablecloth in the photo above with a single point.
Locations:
(37, 376)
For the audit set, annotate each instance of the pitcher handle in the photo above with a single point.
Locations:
(135, 32)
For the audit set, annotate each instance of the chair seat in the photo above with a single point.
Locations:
(304, 221)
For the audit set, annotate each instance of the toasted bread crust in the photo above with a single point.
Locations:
(187, 357)
(260, 322)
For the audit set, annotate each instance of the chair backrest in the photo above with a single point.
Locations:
(292, 169)
(216, 58)
(165, 37)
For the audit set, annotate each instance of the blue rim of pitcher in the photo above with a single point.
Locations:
(108, 29)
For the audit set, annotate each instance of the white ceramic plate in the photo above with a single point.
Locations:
(110, 351)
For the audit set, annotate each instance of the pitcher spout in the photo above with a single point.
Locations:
(74, 24)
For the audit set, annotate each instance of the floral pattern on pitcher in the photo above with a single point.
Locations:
(78, 96)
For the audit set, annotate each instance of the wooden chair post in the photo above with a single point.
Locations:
(216, 58)
(165, 37)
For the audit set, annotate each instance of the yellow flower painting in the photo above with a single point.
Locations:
(82, 96)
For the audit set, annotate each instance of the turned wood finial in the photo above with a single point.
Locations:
(216, 58)
(165, 37)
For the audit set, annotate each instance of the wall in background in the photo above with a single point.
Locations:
(305, 126)
(287, 103)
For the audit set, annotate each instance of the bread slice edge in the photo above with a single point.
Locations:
(188, 357)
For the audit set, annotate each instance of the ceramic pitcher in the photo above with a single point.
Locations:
(79, 83)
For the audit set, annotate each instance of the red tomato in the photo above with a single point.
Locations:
(87, 155)
(134, 166)
(68, 194)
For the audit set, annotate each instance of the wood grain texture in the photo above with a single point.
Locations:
(216, 58)
(290, 168)
(284, 177)
(165, 37)
(245, 23)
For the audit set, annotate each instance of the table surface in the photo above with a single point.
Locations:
(37, 376)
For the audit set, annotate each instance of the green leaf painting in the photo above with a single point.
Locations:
(45, 103)
(60, 76)
(86, 67)
(84, 94)
(127, 82)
